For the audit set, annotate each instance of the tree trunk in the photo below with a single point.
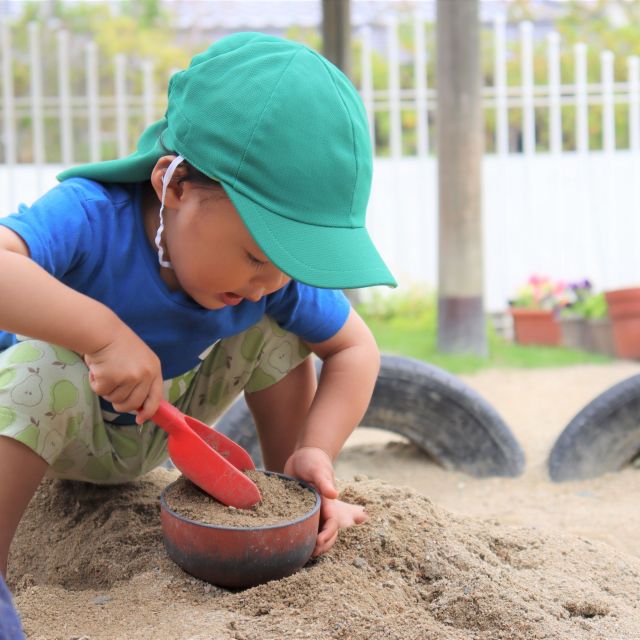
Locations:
(461, 321)
(336, 33)
(336, 47)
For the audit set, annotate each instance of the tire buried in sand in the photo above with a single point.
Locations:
(433, 409)
(603, 436)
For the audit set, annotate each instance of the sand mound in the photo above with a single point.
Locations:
(83, 536)
(89, 562)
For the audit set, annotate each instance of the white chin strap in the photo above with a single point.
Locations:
(166, 179)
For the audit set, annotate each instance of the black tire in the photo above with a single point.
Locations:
(604, 436)
(433, 409)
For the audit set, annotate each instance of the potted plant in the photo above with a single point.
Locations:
(573, 320)
(624, 311)
(598, 334)
(535, 309)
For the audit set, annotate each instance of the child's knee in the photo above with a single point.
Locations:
(40, 378)
(44, 394)
(32, 354)
(281, 352)
(253, 360)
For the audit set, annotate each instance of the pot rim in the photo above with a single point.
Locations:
(278, 525)
(525, 311)
(623, 290)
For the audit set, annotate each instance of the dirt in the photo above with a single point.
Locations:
(282, 501)
(443, 555)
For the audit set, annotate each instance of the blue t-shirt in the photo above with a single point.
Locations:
(91, 237)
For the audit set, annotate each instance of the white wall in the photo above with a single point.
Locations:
(569, 217)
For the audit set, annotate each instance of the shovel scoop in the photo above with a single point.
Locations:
(208, 458)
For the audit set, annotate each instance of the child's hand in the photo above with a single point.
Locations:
(314, 465)
(126, 373)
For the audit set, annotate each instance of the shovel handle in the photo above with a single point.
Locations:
(168, 418)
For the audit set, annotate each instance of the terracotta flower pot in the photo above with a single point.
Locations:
(536, 326)
(624, 311)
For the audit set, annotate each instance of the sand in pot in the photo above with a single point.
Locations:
(282, 501)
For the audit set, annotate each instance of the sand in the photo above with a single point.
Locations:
(443, 556)
(282, 500)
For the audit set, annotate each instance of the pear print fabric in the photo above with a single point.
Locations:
(47, 404)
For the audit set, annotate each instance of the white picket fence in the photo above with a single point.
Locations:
(569, 213)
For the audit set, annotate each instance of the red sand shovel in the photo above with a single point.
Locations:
(208, 458)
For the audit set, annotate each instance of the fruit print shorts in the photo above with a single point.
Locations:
(47, 404)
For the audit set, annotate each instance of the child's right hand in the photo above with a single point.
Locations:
(126, 373)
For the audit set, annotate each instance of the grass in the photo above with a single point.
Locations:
(407, 326)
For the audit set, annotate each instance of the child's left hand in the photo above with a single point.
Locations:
(314, 465)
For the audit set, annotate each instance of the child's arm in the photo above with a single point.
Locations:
(350, 368)
(351, 362)
(123, 369)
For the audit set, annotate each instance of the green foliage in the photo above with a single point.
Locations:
(414, 303)
(586, 304)
(305, 35)
(595, 307)
(405, 324)
(147, 13)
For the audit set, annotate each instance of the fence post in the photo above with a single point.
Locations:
(93, 103)
(555, 112)
(10, 154)
(367, 84)
(608, 111)
(500, 87)
(8, 94)
(64, 94)
(121, 104)
(149, 96)
(582, 107)
(633, 82)
(526, 66)
(394, 88)
(37, 123)
(422, 107)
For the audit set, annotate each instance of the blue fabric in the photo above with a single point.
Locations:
(10, 628)
(90, 236)
(6, 340)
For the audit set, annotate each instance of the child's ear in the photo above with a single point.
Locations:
(174, 188)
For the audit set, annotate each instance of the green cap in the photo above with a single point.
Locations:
(286, 134)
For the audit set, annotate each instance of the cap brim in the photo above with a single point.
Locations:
(136, 167)
(327, 257)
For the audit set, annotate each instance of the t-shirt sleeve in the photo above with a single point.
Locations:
(56, 228)
(309, 312)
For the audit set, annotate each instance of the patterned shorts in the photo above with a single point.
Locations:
(47, 404)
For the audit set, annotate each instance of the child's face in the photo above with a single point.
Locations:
(214, 257)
